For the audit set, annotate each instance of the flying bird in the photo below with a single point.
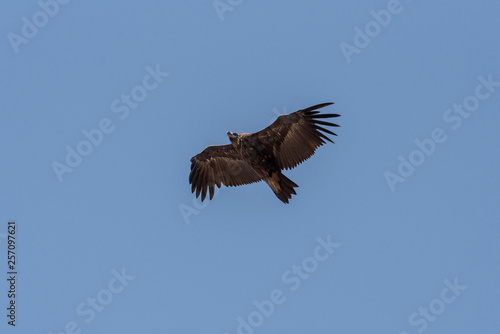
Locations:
(253, 157)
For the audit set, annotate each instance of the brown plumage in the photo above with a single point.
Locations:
(252, 157)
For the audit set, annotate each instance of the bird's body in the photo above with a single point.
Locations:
(258, 157)
(252, 157)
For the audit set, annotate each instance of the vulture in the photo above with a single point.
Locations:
(253, 157)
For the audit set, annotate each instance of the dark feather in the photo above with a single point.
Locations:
(325, 115)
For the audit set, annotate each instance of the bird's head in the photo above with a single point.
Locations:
(232, 136)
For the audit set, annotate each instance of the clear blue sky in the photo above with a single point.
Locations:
(394, 229)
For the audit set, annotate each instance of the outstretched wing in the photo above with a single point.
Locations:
(216, 165)
(296, 136)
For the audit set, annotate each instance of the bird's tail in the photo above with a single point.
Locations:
(282, 186)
